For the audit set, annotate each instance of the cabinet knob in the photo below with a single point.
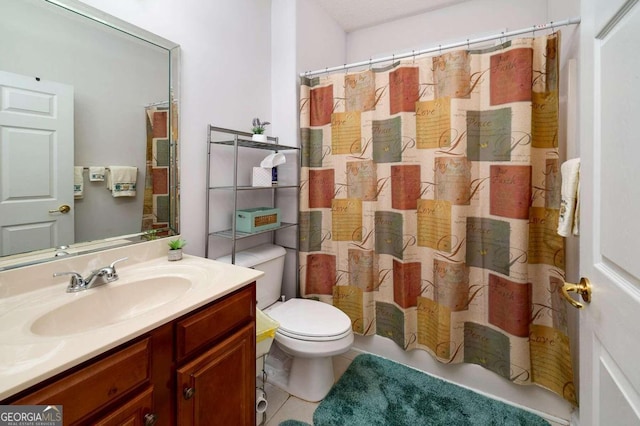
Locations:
(150, 419)
(187, 393)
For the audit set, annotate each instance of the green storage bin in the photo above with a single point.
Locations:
(257, 219)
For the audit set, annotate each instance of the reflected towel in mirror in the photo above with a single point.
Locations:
(121, 180)
(96, 174)
(78, 182)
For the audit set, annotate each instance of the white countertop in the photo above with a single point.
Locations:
(27, 358)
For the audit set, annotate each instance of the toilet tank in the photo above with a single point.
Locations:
(269, 259)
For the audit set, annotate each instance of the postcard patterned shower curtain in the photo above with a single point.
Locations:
(156, 213)
(429, 206)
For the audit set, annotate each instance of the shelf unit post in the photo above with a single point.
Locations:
(206, 209)
(235, 198)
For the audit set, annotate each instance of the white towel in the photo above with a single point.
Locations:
(569, 205)
(96, 174)
(121, 180)
(78, 182)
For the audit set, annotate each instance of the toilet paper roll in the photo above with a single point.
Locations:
(261, 401)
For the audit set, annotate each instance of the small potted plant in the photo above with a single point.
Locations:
(258, 130)
(175, 249)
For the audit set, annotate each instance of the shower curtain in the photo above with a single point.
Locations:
(429, 206)
(156, 212)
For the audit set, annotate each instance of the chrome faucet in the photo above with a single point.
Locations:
(104, 275)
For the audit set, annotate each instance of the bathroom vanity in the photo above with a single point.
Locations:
(186, 359)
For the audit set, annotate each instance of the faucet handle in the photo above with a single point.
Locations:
(110, 271)
(76, 282)
(75, 274)
(113, 264)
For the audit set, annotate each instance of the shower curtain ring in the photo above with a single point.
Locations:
(413, 52)
(440, 49)
(369, 63)
(468, 47)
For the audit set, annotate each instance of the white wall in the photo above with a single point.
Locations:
(321, 42)
(225, 76)
(457, 23)
(452, 24)
(284, 114)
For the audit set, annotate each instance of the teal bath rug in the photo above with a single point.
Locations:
(376, 391)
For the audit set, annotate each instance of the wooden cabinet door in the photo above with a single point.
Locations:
(136, 412)
(218, 387)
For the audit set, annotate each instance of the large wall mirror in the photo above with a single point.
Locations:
(81, 91)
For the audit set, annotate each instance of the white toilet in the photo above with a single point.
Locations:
(310, 331)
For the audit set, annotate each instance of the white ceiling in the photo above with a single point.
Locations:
(356, 14)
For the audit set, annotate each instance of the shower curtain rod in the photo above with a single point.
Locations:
(467, 42)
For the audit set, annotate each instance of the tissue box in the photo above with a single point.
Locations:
(257, 219)
(261, 177)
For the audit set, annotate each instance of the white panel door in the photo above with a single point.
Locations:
(36, 163)
(610, 229)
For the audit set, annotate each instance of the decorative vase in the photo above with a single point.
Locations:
(174, 254)
(259, 138)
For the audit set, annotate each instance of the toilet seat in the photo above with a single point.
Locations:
(313, 338)
(311, 320)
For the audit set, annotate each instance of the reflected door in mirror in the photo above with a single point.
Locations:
(36, 164)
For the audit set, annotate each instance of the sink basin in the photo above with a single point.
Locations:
(110, 304)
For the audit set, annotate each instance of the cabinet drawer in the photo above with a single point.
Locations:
(96, 385)
(132, 413)
(212, 323)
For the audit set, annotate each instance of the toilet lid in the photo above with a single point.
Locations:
(311, 320)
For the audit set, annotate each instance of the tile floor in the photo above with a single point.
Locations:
(283, 406)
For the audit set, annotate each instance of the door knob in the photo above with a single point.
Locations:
(62, 209)
(583, 288)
